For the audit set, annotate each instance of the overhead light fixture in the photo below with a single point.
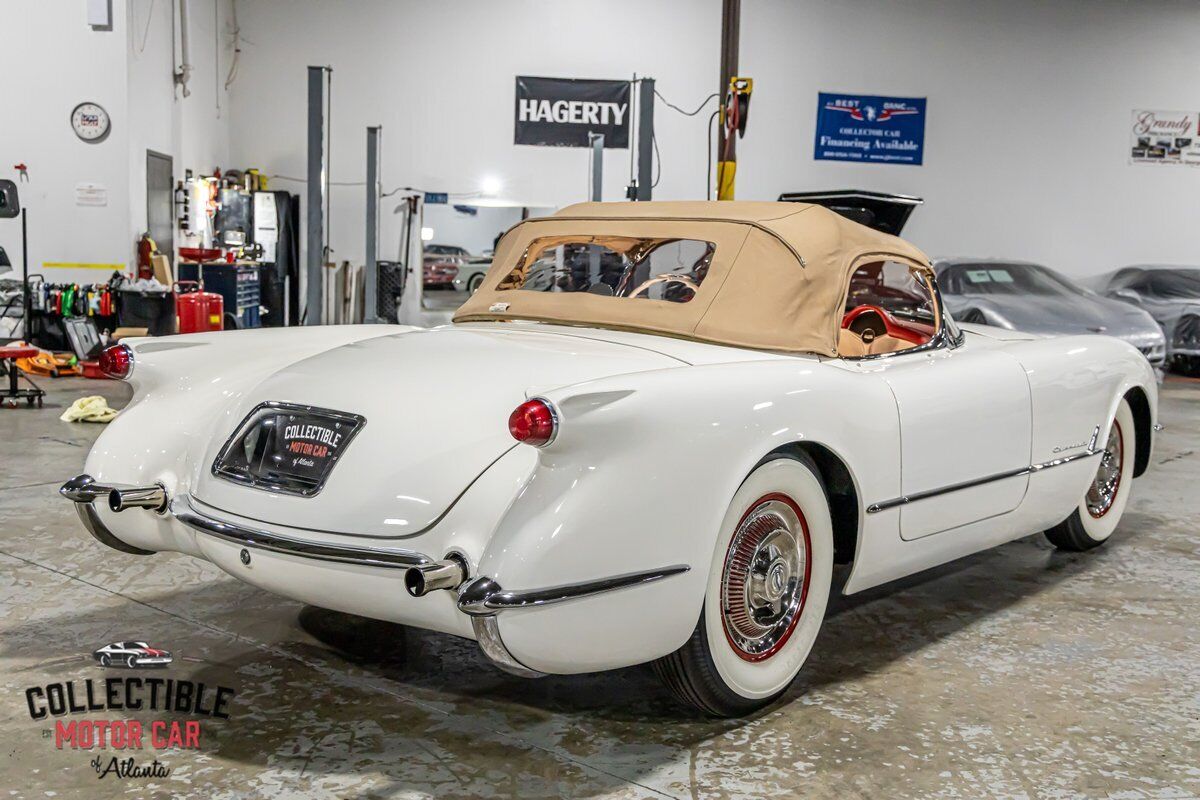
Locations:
(426, 234)
(490, 185)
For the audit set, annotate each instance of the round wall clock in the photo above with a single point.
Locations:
(90, 122)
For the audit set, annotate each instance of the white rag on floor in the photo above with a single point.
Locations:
(89, 409)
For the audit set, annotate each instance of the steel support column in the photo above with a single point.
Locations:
(645, 147)
(731, 15)
(371, 284)
(597, 143)
(315, 196)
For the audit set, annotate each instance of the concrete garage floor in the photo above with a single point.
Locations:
(1019, 672)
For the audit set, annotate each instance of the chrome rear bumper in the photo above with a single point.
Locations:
(481, 597)
(184, 510)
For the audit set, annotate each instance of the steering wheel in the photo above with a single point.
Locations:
(645, 285)
(867, 322)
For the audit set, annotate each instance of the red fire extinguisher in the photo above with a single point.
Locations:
(196, 310)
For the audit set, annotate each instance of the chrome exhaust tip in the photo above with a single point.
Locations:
(447, 574)
(152, 497)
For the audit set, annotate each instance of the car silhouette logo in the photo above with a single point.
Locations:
(132, 654)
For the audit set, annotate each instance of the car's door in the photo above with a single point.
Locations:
(964, 413)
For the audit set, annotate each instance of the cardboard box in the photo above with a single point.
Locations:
(162, 269)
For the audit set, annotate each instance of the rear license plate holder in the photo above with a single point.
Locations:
(287, 448)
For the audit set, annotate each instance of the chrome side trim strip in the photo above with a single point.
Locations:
(183, 510)
(875, 508)
(483, 596)
(487, 634)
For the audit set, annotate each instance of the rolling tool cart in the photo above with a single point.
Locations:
(238, 285)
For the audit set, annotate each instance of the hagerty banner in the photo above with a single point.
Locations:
(561, 112)
(1165, 137)
(870, 128)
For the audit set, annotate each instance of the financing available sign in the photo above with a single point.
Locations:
(1165, 137)
(561, 112)
(870, 128)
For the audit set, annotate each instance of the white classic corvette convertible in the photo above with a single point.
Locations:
(649, 436)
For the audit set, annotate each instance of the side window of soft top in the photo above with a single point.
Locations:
(891, 306)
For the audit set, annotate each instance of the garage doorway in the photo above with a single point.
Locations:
(160, 202)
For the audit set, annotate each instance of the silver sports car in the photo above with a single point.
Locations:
(1171, 295)
(1032, 298)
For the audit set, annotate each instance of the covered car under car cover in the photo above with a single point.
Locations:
(1170, 293)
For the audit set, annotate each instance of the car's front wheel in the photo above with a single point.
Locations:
(474, 283)
(1097, 515)
(105, 660)
(767, 591)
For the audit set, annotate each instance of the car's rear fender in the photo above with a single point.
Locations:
(639, 478)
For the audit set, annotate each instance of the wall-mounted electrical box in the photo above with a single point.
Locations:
(99, 14)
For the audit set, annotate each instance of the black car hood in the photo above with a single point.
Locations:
(881, 211)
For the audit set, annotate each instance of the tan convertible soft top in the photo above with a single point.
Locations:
(778, 279)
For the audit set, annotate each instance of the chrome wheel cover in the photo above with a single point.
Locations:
(1103, 491)
(765, 578)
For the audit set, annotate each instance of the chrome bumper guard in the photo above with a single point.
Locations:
(481, 598)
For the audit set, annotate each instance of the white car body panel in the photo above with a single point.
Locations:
(929, 389)
(655, 436)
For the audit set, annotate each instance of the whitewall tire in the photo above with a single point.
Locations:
(767, 590)
(1100, 510)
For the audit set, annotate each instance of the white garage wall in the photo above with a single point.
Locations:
(439, 77)
(193, 130)
(476, 233)
(1029, 106)
(54, 61)
(57, 61)
(1026, 149)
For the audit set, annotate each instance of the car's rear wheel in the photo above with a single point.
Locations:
(767, 591)
(1098, 513)
(131, 661)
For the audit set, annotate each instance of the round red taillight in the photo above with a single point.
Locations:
(117, 361)
(533, 422)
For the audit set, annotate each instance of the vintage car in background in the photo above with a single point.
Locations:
(441, 263)
(471, 273)
(1018, 295)
(1170, 294)
(647, 437)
